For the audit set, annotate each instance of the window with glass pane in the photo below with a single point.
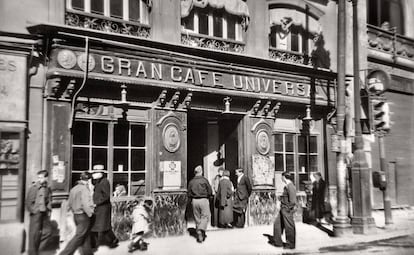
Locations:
(129, 156)
(132, 10)
(218, 23)
(97, 6)
(127, 151)
(284, 152)
(213, 22)
(307, 157)
(203, 22)
(90, 145)
(386, 14)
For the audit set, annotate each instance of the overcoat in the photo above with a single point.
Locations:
(318, 198)
(241, 197)
(101, 198)
(225, 201)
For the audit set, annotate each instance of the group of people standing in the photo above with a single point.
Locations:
(230, 203)
(91, 212)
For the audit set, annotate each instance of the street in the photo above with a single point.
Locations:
(398, 245)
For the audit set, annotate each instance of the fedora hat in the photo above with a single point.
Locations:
(98, 169)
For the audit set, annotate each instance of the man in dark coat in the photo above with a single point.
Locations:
(39, 204)
(241, 198)
(199, 191)
(318, 196)
(284, 220)
(101, 231)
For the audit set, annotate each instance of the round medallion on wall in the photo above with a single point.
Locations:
(171, 137)
(82, 62)
(262, 142)
(66, 59)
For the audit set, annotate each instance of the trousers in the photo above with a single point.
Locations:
(201, 210)
(284, 222)
(81, 238)
(35, 231)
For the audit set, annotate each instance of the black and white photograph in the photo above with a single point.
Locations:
(181, 127)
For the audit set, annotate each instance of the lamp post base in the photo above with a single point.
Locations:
(342, 227)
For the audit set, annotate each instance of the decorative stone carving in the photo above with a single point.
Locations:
(102, 24)
(389, 42)
(290, 57)
(171, 137)
(66, 59)
(212, 43)
(82, 62)
(262, 142)
(54, 86)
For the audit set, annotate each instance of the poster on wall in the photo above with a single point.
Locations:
(263, 170)
(12, 87)
(172, 174)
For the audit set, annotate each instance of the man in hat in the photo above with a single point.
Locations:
(101, 229)
(241, 198)
(285, 220)
(199, 190)
(39, 205)
(80, 203)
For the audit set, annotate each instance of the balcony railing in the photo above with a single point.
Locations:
(106, 24)
(202, 41)
(290, 57)
(400, 49)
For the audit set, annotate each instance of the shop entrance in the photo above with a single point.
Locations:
(213, 141)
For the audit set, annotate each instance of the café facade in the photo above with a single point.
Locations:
(150, 112)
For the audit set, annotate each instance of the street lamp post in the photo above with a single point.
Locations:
(362, 220)
(341, 224)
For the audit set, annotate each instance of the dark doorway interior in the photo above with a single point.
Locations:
(198, 139)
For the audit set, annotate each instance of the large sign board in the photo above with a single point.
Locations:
(191, 73)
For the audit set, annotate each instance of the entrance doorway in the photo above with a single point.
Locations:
(213, 142)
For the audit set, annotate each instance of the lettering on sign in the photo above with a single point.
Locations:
(7, 65)
(303, 86)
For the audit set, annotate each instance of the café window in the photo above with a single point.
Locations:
(120, 147)
(213, 22)
(129, 10)
(298, 155)
(386, 14)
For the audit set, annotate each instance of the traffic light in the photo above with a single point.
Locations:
(380, 114)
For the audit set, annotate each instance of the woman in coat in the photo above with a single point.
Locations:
(102, 229)
(225, 200)
(318, 196)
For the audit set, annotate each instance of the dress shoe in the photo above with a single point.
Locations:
(274, 244)
(200, 237)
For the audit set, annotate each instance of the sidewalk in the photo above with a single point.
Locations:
(251, 240)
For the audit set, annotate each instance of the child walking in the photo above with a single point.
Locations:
(141, 216)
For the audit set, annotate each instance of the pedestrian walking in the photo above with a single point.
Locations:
(199, 191)
(101, 231)
(225, 200)
(82, 207)
(284, 220)
(141, 215)
(241, 198)
(39, 205)
(318, 197)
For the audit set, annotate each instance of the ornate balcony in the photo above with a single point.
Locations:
(290, 57)
(389, 46)
(106, 24)
(215, 43)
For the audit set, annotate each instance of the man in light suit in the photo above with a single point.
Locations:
(241, 198)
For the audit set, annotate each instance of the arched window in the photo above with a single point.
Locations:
(292, 28)
(218, 18)
(386, 14)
